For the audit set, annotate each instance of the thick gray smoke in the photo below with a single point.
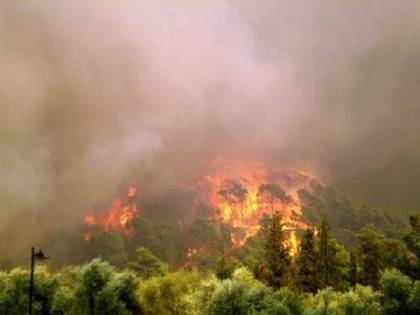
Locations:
(98, 94)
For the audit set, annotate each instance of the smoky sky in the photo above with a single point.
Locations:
(95, 95)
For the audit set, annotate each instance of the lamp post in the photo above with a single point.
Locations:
(35, 255)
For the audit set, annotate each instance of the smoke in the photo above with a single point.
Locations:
(98, 94)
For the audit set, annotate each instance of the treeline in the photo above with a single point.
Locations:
(380, 275)
(346, 215)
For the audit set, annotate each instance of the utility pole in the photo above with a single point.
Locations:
(39, 255)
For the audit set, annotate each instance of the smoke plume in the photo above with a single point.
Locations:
(96, 95)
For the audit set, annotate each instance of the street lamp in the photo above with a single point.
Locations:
(35, 255)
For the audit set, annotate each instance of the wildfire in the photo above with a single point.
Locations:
(236, 193)
(116, 217)
(241, 193)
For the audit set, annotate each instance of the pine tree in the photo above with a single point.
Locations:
(277, 256)
(307, 263)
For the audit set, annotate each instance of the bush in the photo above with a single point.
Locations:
(244, 295)
(228, 299)
(101, 290)
(414, 299)
(396, 288)
(146, 264)
(15, 287)
(292, 299)
(170, 294)
(358, 301)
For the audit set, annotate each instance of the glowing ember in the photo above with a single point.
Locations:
(241, 193)
(87, 236)
(116, 217)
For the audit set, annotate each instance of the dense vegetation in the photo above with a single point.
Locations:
(380, 276)
(342, 266)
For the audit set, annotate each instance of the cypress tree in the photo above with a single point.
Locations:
(327, 255)
(307, 263)
(277, 256)
(353, 269)
(368, 248)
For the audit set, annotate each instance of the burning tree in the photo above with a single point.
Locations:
(233, 193)
(273, 193)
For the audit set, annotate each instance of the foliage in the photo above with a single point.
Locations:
(224, 268)
(277, 254)
(251, 254)
(414, 299)
(108, 246)
(253, 279)
(358, 301)
(101, 290)
(412, 240)
(273, 193)
(396, 288)
(15, 287)
(237, 297)
(146, 264)
(290, 298)
(333, 259)
(307, 269)
(233, 192)
(347, 216)
(369, 253)
(169, 294)
(164, 241)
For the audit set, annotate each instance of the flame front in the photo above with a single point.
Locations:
(116, 217)
(241, 193)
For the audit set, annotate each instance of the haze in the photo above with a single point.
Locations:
(98, 94)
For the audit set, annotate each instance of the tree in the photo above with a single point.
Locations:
(109, 246)
(229, 298)
(290, 298)
(233, 192)
(120, 295)
(170, 294)
(14, 288)
(368, 249)
(414, 299)
(326, 253)
(205, 234)
(224, 268)
(395, 254)
(92, 278)
(143, 234)
(238, 297)
(99, 290)
(396, 288)
(307, 263)
(64, 300)
(277, 254)
(353, 269)
(146, 264)
(273, 193)
(412, 239)
(333, 259)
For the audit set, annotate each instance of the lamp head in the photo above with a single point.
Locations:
(40, 255)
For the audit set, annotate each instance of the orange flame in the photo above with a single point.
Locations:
(116, 217)
(237, 196)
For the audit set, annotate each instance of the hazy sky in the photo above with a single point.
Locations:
(96, 94)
